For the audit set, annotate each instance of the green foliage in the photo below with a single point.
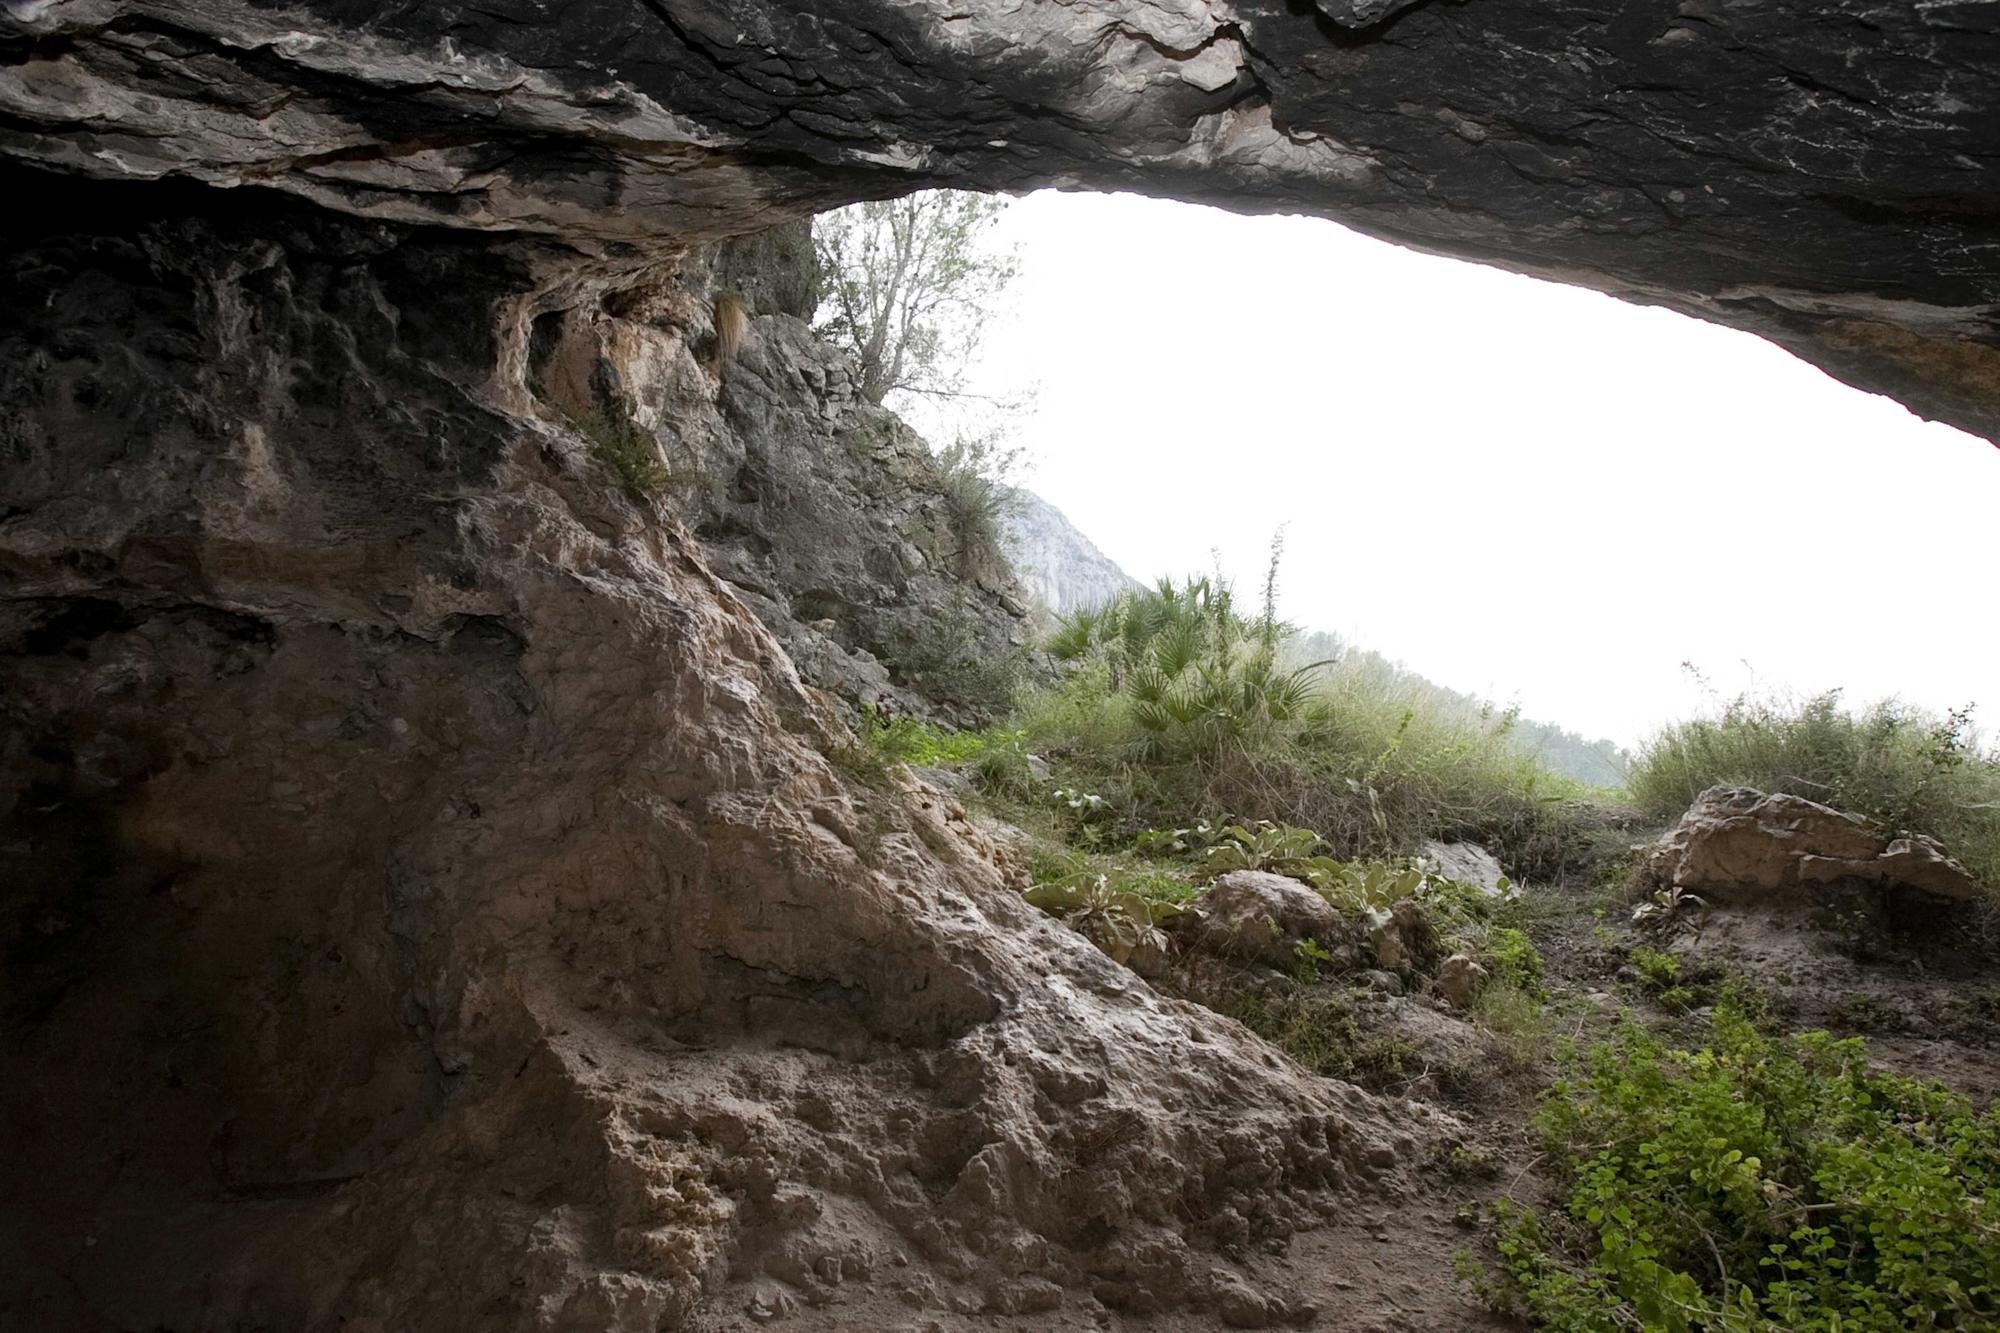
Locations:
(627, 449)
(1658, 971)
(1195, 676)
(906, 286)
(1513, 960)
(1281, 849)
(1758, 1185)
(1667, 909)
(1317, 1026)
(977, 501)
(1517, 1019)
(1905, 767)
(907, 740)
(1119, 908)
(1307, 956)
(1174, 693)
(949, 660)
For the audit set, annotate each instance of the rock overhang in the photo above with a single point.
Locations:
(1816, 174)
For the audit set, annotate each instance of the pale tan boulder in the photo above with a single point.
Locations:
(1260, 917)
(1744, 843)
(1459, 979)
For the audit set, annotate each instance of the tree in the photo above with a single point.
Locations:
(907, 286)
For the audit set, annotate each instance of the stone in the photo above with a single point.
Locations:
(1060, 567)
(1744, 845)
(1379, 981)
(1260, 917)
(1459, 979)
(1466, 862)
(1406, 942)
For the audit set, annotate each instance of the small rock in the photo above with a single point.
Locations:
(1459, 980)
(1375, 979)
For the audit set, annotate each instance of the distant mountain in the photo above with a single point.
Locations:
(1598, 762)
(1056, 563)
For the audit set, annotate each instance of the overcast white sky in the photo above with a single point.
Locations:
(1523, 490)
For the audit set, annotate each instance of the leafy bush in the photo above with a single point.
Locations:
(1759, 1185)
(1118, 908)
(950, 660)
(1174, 694)
(977, 502)
(629, 450)
(1905, 767)
(1513, 960)
(1194, 675)
(907, 740)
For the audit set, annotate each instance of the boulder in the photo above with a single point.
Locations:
(1459, 980)
(1742, 843)
(1260, 917)
(1407, 942)
(1466, 862)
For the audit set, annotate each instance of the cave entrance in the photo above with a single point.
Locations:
(1532, 492)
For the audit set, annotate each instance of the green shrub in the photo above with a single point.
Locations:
(1117, 907)
(1759, 1185)
(1900, 765)
(907, 740)
(628, 449)
(1513, 960)
(1195, 675)
(1517, 1019)
(1657, 970)
(1319, 1029)
(949, 659)
(1174, 694)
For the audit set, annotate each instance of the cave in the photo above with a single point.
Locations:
(433, 893)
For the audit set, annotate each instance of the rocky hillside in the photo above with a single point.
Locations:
(827, 515)
(1057, 565)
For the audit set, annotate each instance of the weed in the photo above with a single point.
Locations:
(1657, 970)
(627, 448)
(1755, 1185)
(1513, 960)
(1517, 1021)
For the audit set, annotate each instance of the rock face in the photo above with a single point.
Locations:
(1057, 565)
(426, 901)
(1459, 979)
(1816, 173)
(827, 515)
(1739, 842)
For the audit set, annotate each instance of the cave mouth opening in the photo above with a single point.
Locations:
(1610, 514)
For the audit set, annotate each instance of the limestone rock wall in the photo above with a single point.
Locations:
(1818, 173)
(427, 902)
(827, 515)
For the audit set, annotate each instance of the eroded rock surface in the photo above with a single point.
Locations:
(1818, 173)
(427, 900)
(428, 904)
(1741, 843)
(827, 515)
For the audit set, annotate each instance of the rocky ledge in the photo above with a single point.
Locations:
(1817, 173)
